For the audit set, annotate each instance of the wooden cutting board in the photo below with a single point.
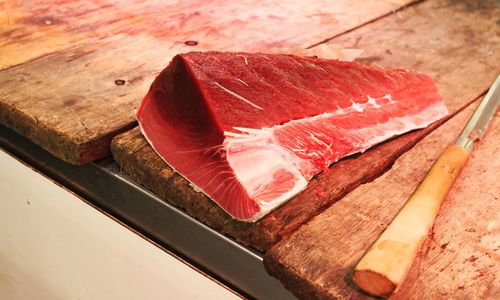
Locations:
(74, 71)
(459, 260)
(414, 48)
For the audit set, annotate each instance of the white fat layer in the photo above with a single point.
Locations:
(244, 58)
(255, 160)
(384, 131)
(243, 82)
(255, 154)
(238, 96)
(355, 107)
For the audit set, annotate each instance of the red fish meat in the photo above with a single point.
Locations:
(251, 130)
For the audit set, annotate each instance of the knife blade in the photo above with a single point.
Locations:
(475, 128)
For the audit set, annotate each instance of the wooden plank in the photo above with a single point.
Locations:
(51, 26)
(459, 260)
(74, 107)
(76, 51)
(137, 158)
(61, 24)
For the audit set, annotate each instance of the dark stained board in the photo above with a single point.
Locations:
(459, 260)
(131, 151)
(74, 71)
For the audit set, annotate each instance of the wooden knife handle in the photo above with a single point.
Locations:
(383, 268)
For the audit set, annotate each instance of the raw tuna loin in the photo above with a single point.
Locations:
(251, 130)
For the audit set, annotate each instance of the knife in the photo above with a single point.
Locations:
(384, 266)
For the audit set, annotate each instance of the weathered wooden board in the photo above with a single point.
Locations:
(61, 24)
(459, 260)
(131, 151)
(73, 102)
(61, 59)
(30, 29)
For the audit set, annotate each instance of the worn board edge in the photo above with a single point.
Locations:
(57, 143)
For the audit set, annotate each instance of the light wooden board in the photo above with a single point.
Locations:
(249, 25)
(459, 260)
(61, 59)
(461, 257)
(132, 152)
(31, 29)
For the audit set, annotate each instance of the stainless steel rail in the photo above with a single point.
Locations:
(102, 184)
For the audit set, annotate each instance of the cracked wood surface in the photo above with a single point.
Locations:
(74, 71)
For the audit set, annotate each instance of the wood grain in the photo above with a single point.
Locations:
(252, 25)
(385, 265)
(74, 107)
(461, 257)
(458, 260)
(137, 158)
(30, 29)
(62, 58)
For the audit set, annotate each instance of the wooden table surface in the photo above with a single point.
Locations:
(449, 61)
(72, 73)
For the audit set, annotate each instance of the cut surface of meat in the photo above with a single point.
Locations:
(251, 130)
